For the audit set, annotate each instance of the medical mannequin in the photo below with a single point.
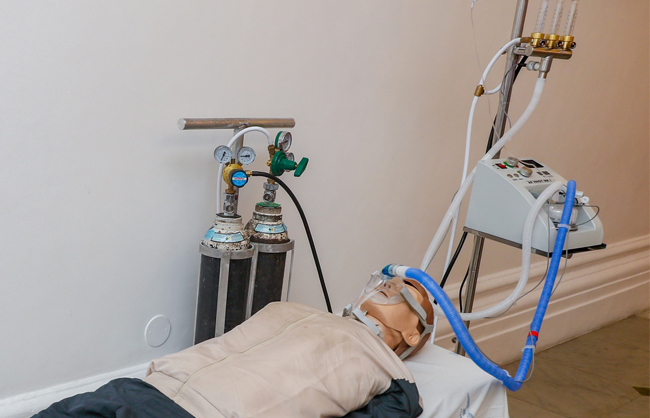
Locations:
(288, 360)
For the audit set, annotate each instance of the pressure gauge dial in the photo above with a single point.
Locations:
(223, 154)
(283, 140)
(290, 156)
(246, 155)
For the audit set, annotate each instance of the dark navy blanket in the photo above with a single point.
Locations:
(134, 398)
(119, 398)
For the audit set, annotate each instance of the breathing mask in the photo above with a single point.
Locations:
(385, 298)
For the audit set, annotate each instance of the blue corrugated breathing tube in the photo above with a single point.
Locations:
(458, 326)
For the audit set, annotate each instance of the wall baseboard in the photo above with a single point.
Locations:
(30, 403)
(597, 289)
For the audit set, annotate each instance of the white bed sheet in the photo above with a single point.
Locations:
(448, 382)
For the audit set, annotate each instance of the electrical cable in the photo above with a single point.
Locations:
(307, 230)
(453, 260)
(593, 217)
(460, 291)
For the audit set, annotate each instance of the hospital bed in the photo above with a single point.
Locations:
(452, 386)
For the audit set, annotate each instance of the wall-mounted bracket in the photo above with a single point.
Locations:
(235, 123)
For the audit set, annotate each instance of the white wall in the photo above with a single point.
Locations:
(103, 200)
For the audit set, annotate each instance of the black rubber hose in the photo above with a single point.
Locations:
(460, 291)
(453, 260)
(307, 230)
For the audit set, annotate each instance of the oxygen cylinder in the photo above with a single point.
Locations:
(269, 236)
(224, 276)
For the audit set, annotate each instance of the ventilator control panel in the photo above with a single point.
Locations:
(528, 171)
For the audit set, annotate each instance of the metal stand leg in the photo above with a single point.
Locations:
(472, 280)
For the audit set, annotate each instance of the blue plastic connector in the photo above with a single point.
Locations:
(389, 270)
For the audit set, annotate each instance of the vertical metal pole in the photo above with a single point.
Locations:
(251, 282)
(506, 89)
(222, 296)
(286, 294)
(499, 128)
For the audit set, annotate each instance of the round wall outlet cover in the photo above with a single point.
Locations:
(157, 331)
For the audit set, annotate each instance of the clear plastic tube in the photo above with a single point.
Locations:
(557, 17)
(571, 18)
(541, 17)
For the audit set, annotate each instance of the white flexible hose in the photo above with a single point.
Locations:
(468, 137)
(534, 101)
(458, 198)
(230, 144)
(472, 110)
(494, 60)
(526, 247)
(494, 90)
(455, 204)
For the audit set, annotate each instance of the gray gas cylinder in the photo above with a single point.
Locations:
(269, 235)
(226, 255)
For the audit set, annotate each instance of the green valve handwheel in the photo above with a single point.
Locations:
(302, 165)
(280, 163)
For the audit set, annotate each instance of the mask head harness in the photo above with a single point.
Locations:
(383, 298)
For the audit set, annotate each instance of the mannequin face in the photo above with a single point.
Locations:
(398, 322)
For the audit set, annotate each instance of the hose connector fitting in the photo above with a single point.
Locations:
(395, 270)
(389, 270)
(545, 66)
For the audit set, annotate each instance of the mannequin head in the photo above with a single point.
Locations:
(400, 324)
(404, 325)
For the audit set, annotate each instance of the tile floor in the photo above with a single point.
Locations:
(591, 376)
